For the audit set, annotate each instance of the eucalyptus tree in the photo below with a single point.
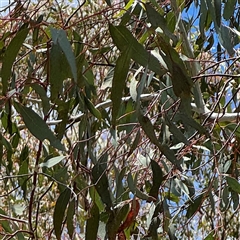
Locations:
(119, 119)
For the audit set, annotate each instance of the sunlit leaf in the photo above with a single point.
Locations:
(123, 38)
(52, 162)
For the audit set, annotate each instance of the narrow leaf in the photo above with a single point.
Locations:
(194, 206)
(101, 181)
(70, 220)
(52, 162)
(37, 126)
(59, 211)
(10, 56)
(234, 184)
(123, 38)
(92, 223)
(229, 9)
(118, 83)
(157, 179)
(95, 112)
(157, 20)
(60, 36)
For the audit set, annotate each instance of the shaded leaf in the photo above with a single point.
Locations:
(92, 223)
(149, 131)
(95, 112)
(229, 8)
(234, 184)
(70, 220)
(59, 211)
(118, 82)
(59, 36)
(157, 179)
(100, 180)
(194, 206)
(37, 126)
(11, 54)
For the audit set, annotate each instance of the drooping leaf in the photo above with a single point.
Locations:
(181, 81)
(176, 132)
(229, 8)
(228, 39)
(92, 223)
(59, 36)
(70, 220)
(157, 20)
(100, 180)
(23, 170)
(234, 184)
(43, 95)
(95, 112)
(194, 206)
(119, 81)
(149, 131)
(58, 69)
(37, 126)
(123, 38)
(10, 56)
(157, 179)
(52, 162)
(59, 211)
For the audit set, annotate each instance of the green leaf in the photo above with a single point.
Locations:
(118, 83)
(60, 37)
(157, 179)
(228, 39)
(229, 8)
(59, 211)
(70, 220)
(157, 20)
(181, 81)
(194, 206)
(210, 236)
(149, 131)
(43, 95)
(23, 179)
(10, 56)
(124, 39)
(92, 223)
(234, 184)
(58, 71)
(95, 112)
(37, 126)
(52, 162)
(134, 144)
(100, 180)
(133, 188)
(176, 132)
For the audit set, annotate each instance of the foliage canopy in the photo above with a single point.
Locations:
(119, 119)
